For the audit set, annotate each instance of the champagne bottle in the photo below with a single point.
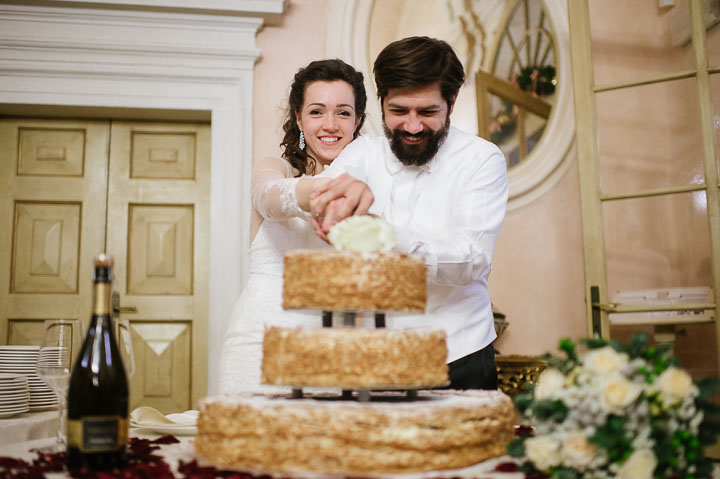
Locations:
(97, 427)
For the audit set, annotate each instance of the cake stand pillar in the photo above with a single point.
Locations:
(327, 319)
(349, 319)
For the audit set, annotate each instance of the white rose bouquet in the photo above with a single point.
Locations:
(617, 411)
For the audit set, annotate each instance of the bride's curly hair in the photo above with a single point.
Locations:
(321, 70)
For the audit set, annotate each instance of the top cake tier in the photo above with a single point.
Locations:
(334, 280)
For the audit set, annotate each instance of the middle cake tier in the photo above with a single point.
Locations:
(354, 358)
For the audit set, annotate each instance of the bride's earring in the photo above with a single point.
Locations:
(302, 140)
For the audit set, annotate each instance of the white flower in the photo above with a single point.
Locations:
(549, 382)
(604, 360)
(543, 451)
(675, 383)
(577, 452)
(363, 233)
(640, 465)
(618, 393)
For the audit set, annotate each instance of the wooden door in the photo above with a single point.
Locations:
(53, 180)
(158, 231)
(67, 192)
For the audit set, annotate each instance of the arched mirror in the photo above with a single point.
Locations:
(516, 56)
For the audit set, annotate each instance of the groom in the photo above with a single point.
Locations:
(443, 189)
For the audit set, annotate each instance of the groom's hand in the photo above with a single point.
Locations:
(318, 220)
(337, 199)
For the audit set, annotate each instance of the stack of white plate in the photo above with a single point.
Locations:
(14, 394)
(23, 360)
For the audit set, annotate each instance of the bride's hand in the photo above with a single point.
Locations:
(318, 220)
(348, 195)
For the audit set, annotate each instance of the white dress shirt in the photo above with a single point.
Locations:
(448, 212)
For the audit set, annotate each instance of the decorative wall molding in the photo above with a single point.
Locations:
(152, 59)
(270, 11)
(550, 159)
(153, 45)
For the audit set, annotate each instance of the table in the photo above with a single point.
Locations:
(183, 451)
(171, 453)
(29, 426)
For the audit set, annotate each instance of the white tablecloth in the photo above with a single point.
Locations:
(29, 426)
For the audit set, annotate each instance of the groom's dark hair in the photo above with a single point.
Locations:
(417, 61)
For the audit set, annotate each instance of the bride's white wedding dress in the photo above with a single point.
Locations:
(285, 227)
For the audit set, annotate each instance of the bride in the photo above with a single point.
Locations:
(326, 109)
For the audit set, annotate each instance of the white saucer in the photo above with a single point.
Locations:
(172, 429)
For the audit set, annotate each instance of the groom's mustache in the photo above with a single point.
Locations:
(422, 134)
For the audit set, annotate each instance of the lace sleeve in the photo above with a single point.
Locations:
(273, 190)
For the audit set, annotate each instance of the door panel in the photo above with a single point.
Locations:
(45, 247)
(52, 217)
(163, 155)
(158, 223)
(164, 348)
(160, 249)
(25, 332)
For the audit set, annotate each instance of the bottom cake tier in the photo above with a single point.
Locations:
(438, 430)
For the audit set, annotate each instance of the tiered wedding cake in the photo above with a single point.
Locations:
(401, 430)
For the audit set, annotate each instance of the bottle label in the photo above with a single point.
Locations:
(102, 301)
(97, 433)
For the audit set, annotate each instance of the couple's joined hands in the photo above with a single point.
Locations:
(337, 199)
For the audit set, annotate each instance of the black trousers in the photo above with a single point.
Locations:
(474, 371)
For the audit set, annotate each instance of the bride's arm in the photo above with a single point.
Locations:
(275, 192)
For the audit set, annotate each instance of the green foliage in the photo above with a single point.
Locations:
(710, 427)
(564, 473)
(540, 80)
(549, 410)
(516, 447)
(708, 387)
(594, 343)
(663, 350)
(523, 401)
(612, 436)
(637, 345)
(704, 468)
(666, 445)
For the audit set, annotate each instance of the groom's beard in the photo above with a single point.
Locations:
(420, 154)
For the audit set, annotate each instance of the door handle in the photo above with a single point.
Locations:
(117, 309)
(125, 309)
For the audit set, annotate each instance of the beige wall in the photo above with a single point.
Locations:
(295, 42)
(537, 278)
